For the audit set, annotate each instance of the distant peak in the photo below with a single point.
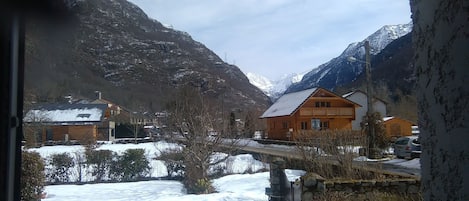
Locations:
(385, 35)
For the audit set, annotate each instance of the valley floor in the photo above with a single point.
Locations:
(232, 187)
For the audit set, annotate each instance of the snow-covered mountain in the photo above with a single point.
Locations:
(339, 71)
(380, 39)
(275, 88)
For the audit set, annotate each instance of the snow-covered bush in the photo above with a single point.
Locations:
(130, 166)
(173, 160)
(100, 162)
(60, 170)
(32, 175)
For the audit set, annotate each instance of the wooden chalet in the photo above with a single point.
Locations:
(113, 109)
(121, 114)
(311, 109)
(397, 127)
(67, 122)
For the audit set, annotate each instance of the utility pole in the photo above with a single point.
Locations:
(133, 120)
(372, 152)
(135, 132)
(369, 99)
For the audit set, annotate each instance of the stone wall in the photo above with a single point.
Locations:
(314, 183)
(398, 186)
(278, 181)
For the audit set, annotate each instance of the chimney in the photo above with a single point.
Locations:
(98, 94)
(69, 98)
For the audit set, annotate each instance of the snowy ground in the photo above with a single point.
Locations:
(232, 187)
(229, 188)
(242, 187)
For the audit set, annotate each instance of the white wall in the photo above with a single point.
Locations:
(360, 98)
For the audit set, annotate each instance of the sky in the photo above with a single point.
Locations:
(277, 37)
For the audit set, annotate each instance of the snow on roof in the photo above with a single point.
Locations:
(364, 93)
(288, 103)
(348, 94)
(387, 118)
(66, 113)
(393, 117)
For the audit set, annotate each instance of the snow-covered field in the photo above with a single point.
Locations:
(242, 187)
(237, 186)
(232, 187)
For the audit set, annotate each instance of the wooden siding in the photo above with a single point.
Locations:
(78, 132)
(341, 124)
(398, 127)
(332, 111)
(276, 129)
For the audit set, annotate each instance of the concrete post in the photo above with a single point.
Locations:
(278, 190)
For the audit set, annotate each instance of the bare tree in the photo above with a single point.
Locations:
(249, 125)
(380, 140)
(198, 125)
(321, 150)
(441, 43)
(35, 123)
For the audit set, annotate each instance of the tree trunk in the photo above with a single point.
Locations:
(441, 43)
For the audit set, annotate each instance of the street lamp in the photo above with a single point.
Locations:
(369, 112)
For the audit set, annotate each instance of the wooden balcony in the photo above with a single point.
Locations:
(329, 112)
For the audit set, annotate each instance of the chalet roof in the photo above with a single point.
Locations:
(288, 103)
(54, 113)
(348, 94)
(360, 91)
(100, 100)
(387, 118)
(104, 101)
(393, 117)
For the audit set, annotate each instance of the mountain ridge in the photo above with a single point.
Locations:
(115, 48)
(274, 88)
(339, 71)
(378, 40)
(393, 77)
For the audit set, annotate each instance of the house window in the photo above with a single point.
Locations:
(304, 125)
(324, 125)
(49, 135)
(83, 115)
(322, 104)
(284, 125)
(316, 124)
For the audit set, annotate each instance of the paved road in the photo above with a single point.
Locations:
(401, 169)
(291, 152)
